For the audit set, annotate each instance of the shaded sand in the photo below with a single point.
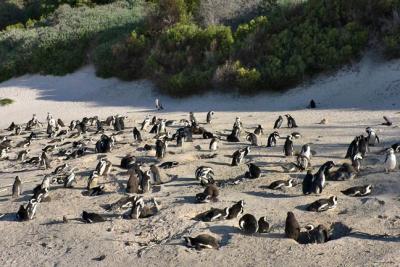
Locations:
(350, 101)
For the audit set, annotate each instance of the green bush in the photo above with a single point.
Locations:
(6, 101)
(61, 44)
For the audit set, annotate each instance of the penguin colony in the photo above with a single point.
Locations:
(91, 135)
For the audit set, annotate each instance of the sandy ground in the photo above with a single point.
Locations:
(350, 101)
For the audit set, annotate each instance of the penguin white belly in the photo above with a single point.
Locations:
(390, 163)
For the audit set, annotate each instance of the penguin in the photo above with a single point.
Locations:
(101, 166)
(291, 123)
(372, 136)
(62, 132)
(396, 147)
(323, 204)
(254, 171)
(362, 145)
(320, 178)
(278, 122)
(145, 183)
(211, 193)
(263, 225)
(155, 174)
(292, 227)
(234, 136)
(91, 217)
(319, 235)
(238, 124)
(306, 151)
(213, 215)
(136, 135)
(235, 210)
(358, 191)
(271, 142)
(93, 180)
(390, 161)
(132, 186)
(22, 214)
(69, 179)
(140, 210)
(127, 162)
(253, 139)
(209, 116)
(11, 127)
(303, 162)
(60, 122)
(307, 185)
(344, 172)
(145, 124)
(168, 164)
(202, 241)
(18, 130)
(17, 187)
(44, 161)
(288, 146)
(46, 181)
(292, 167)
(248, 224)
(3, 153)
(213, 144)
(237, 157)
(281, 184)
(353, 148)
(205, 175)
(160, 149)
(356, 162)
(259, 130)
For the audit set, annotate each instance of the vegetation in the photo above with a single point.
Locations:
(176, 44)
(6, 101)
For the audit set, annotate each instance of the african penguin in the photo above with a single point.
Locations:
(358, 191)
(271, 142)
(209, 116)
(281, 184)
(291, 123)
(372, 136)
(320, 178)
(214, 144)
(17, 187)
(235, 210)
(292, 227)
(288, 146)
(259, 130)
(202, 241)
(254, 171)
(248, 224)
(253, 139)
(136, 135)
(390, 161)
(323, 204)
(160, 149)
(307, 185)
(91, 217)
(278, 122)
(211, 193)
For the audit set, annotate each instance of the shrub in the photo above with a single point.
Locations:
(6, 101)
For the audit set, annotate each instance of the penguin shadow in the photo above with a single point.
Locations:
(218, 163)
(26, 197)
(8, 217)
(367, 236)
(302, 207)
(270, 194)
(189, 182)
(226, 233)
(267, 164)
(186, 200)
(6, 198)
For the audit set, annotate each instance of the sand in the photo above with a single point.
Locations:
(350, 100)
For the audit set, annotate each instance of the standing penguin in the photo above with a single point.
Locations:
(352, 150)
(145, 124)
(272, 139)
(259, 130)
(362, 145)
(291, 123)
(253, 139)
(145, 183)
(93, 180)
(306, 151)
(17, 187)
(390, 161)
(239, 155)
(214, 144)
(292, 227)
(308, 183)
(288, 147)
(133, 183)
(278, 122)
(254, 171)
(320, 178)
(248, 224)
(160, 149)
(136, 135)
(372, 136)
(209, 116)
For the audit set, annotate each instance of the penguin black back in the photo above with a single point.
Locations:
(292, 227)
